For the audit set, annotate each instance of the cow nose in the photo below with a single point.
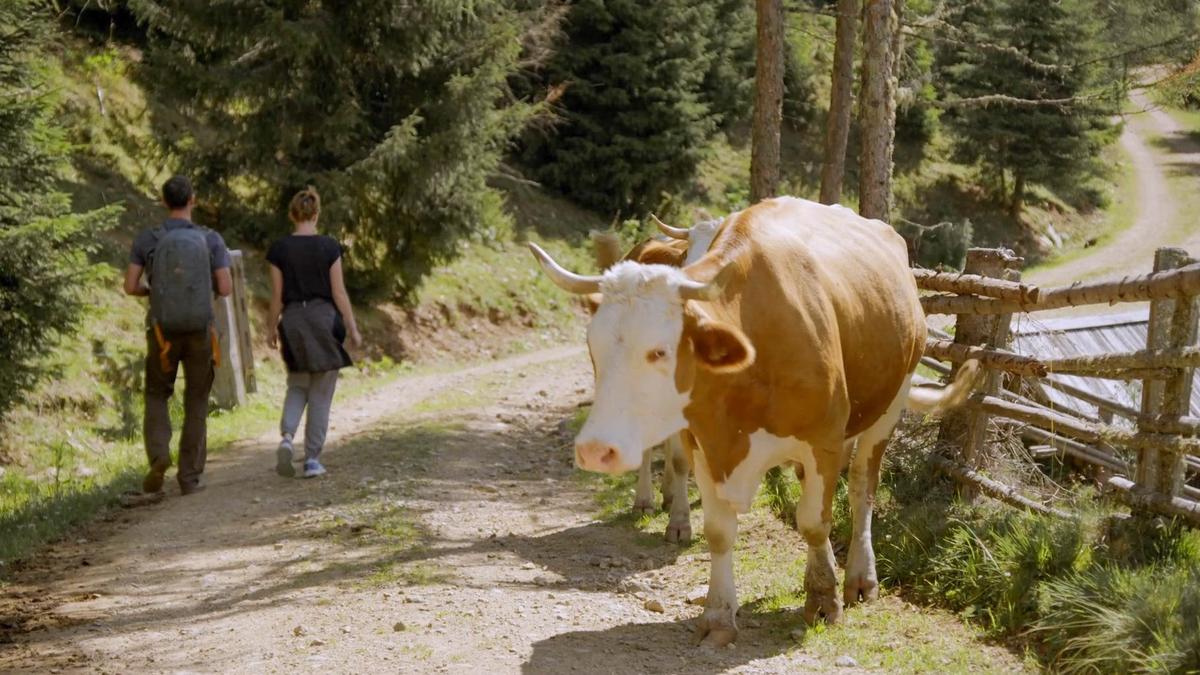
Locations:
(596, 456)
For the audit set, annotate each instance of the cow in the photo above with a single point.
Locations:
(792, 340)
(679, 247)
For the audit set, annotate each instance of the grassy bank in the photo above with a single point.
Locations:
(1106, 593)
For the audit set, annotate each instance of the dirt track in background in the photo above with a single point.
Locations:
(1158, 220)
(452, 534)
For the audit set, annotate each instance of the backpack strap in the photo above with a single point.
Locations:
(164, 349)
(216, 347)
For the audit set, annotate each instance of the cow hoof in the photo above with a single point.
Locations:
(715, 633)
(818, 606)
(643, 507)
(859, 589)
(678, 533)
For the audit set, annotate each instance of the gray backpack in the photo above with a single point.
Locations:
(181, 291)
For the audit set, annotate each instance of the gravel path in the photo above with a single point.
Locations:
(452, 534)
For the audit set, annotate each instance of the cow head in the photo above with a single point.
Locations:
(648, 335)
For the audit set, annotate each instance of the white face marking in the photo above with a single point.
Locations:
(634, 337)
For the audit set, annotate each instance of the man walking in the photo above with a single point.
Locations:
(184, 264)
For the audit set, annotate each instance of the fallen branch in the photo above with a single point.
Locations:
(1177, 283)
(996, 489)
(953, 282)
(1076, 449)
(994, 359)
(1082, 431)
(1005, 99)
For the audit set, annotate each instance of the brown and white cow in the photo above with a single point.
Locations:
(792, 340)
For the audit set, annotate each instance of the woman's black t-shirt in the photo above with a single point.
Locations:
(304, 261)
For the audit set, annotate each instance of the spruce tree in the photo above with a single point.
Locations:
(1032, 50)
(397, 112)
(644, 85)
(43, 245)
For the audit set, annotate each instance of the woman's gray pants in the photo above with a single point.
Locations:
(314, 391)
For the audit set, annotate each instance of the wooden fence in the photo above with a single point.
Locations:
(1145, 457)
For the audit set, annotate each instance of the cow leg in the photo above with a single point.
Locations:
(861, 580)
(814, 519)
(643, 497)
(675, 494)
(717, 626)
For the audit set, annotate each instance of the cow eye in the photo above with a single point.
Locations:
(656, 355)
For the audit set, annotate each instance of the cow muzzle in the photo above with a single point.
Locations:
(599, 457)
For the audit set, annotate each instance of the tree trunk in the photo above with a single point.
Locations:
(837, 125)
(877, 109)
(1018, 196)
(768, 101)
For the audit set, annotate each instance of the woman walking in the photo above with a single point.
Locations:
(309, 317)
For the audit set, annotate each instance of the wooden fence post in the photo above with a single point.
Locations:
(1172, 324)
(969, 427)
(230, 382)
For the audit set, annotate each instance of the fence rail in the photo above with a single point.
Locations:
(1161, 440)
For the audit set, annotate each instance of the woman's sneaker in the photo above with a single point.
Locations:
(313, 468)
(283, 459)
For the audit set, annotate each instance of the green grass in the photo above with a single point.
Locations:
(1182, 181)
(1044, 582)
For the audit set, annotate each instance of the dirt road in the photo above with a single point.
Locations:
(452, 534)
(1158, 220)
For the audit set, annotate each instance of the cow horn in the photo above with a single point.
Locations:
(672, 232)
(707, 292)
(568, 281)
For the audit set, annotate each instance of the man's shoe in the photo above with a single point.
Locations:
(313, 468)
(186, 490)
(283, 459)
(153, 481)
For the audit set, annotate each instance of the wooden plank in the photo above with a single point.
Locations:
(1139, 497)
(974, 284)
(229, 388)
(1177, 283)
(1142, 359)
(995, 359)
(241, 301)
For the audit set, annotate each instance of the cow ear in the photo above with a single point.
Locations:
(593, 300)
(720, 347)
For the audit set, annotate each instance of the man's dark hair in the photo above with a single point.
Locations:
(177, 192)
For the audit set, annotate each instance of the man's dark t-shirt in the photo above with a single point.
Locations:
(143, 246)
(304, 261)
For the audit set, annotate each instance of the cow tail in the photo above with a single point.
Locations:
(934, 401)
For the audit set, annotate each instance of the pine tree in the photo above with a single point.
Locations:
(645, 84)
(397, 112)
(43, 245)
(1035, 51)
